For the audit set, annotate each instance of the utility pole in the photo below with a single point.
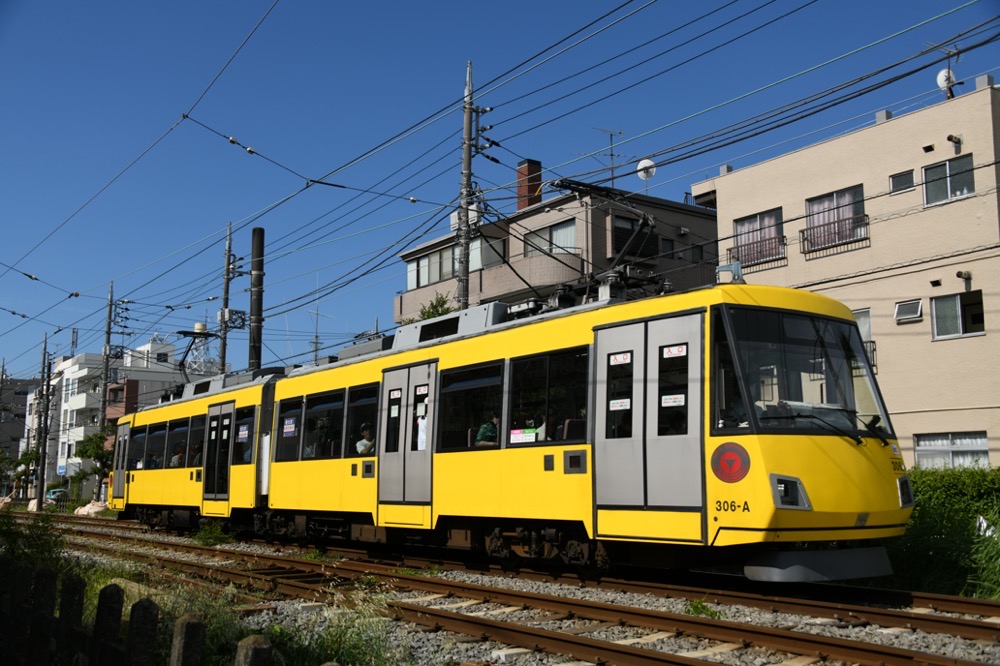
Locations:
(256, 298)
(43, 428)
(315, 340)
(106, 361)
(227, 275)
(466, 197)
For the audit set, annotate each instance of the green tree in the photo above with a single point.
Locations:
(439, 305)
(92, 447)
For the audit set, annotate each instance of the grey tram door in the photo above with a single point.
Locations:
(120, 466)
(404, 434)
(648, 439)
(218, 442)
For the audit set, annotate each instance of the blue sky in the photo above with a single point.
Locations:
(116, 166)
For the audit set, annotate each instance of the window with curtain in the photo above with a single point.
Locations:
(949, 180)
(759, 237)
(835, 218)
(434, 267)
(556, 239)
(486, 252)
(952, 449)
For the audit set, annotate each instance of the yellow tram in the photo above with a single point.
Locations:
(731, 422)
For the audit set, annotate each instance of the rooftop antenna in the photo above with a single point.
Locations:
(946, 77)
(611, 148)
(645, 170)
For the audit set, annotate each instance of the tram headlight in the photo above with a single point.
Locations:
(789, 493)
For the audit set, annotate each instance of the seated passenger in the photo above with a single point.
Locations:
(366, 444)
(487, 435)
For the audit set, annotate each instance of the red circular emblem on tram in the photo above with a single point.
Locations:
(730, 462)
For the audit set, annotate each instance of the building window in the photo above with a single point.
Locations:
(901, 182)
(431, 268)
(162, 357)
(835, 219)
(949, 180)
(758, 238)
(485, 252)
(958, 315)
(952, 449)
(556, 239)
(644, 245)
(909, 311)
(667, 247)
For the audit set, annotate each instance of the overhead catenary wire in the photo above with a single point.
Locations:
(292, 255)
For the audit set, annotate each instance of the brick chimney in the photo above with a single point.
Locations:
(529, 183)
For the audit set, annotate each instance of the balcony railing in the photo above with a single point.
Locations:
(758, 251)
(817, 237)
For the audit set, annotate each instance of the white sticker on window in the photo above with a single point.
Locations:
(672, 400)
(523, 436)
(393, 411)
(619, 405)
(623, 358)
(422, 389)
(674, 351)
(395, 394)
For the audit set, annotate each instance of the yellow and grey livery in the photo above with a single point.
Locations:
(727, 423)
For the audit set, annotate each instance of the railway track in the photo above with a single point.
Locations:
(584, 629)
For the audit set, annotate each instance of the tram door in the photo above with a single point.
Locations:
(404, 437)
(648, 439)
(120, 467)
(218, 442)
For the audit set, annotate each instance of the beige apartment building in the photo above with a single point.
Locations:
(558, 249)
(900, 221)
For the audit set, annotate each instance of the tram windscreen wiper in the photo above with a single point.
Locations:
(871, 426)
(831, 427)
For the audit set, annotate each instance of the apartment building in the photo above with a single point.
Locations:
(559, 247)
(899, 220)
(136, 378)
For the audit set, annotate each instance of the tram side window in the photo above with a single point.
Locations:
(289, 430)
(549, 397)
(618, 417)
(418, 440)
(197, 441)
(156, 444)
(362, 411)
(324, 425)
(136, 447)
(672, 410)
(392, 421)
(177, 443)
(244, 439)
(470, 399)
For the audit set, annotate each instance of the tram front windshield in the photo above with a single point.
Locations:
(784, 371)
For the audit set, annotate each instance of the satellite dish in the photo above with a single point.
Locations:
(945, 81)
(645, 169)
